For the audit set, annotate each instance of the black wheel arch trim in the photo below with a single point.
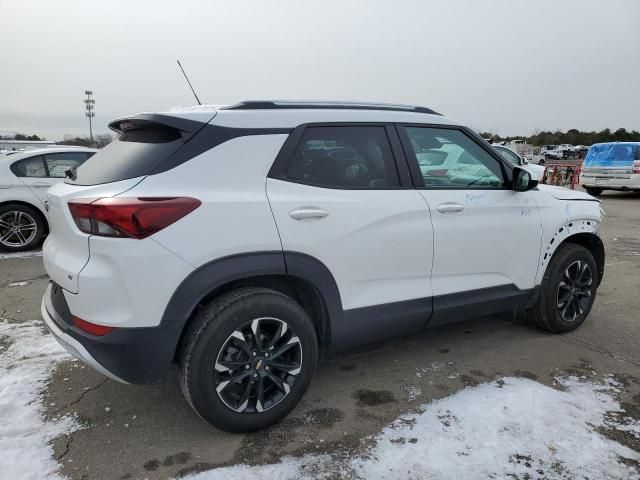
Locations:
(344, 328)
(593, 243)
(145, 355)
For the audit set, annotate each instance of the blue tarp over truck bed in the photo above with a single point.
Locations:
(614, 155)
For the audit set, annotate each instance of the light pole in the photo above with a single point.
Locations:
(89, 105)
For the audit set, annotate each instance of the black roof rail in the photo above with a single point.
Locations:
(312, 105)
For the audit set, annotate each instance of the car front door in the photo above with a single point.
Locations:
(487, 237)
(338, 199)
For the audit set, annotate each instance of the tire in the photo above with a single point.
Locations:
(549, 312)
(596, 192)
(213, 340)
(30, 223)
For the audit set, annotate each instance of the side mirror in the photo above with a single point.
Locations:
(522, 180)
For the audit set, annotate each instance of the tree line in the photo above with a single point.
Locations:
(99, 140)
(572, 137)
(20, 136)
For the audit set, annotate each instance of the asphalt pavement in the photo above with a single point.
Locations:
(150, 432)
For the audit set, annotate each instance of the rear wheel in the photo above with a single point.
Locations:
(593, 191)
(567, 290)
(21, 228)
(247, 359)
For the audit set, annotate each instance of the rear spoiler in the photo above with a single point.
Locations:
(183, 127)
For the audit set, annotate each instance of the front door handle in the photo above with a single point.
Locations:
(450, 207)
(308, 212)
(42, 184)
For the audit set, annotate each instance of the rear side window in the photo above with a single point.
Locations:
(135, 153)
(59, 163)
(349, 157)
(30, 167)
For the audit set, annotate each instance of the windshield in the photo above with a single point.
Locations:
(611, 155)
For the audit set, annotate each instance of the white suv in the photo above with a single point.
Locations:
(25, 177)
(242, 243)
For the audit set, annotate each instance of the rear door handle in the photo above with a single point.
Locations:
(42, 184)
(450, 207)
(308, 212)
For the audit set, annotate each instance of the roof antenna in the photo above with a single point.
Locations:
(190, 86)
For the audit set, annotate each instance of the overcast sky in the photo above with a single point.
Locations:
(509, 66)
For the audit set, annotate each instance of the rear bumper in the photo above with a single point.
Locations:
(610, 182)
(70, 344)
(128, 355)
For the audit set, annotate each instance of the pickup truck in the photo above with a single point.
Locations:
(553, 152)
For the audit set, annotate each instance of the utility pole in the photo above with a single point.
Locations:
(89, 106)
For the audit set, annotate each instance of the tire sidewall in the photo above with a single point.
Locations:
(39, 226)
(214, 333)
(556, 322)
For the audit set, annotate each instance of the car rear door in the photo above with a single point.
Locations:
(487, 237)
(32, 176)
(337, 197)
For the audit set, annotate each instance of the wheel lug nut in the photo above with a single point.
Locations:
(267, 368)
(255, 375)
(254, 354)
(266, 354)
(246, 367)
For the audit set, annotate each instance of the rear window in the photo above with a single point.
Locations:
(135, 153)
(611, 155)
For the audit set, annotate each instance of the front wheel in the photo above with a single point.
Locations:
(247, 359)
(21, 228)
(595, 192)
(567, 290)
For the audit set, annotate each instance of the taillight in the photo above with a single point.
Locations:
(129, 217)
(92, 328)
(636, 166)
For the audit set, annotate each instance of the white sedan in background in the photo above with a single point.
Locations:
(25, 177)
(537, 171)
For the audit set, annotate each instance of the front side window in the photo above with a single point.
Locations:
(59, 163)
(448, 158)
(351, 157)
(30, 167)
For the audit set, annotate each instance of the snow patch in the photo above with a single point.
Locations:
(25, 366)
(18, 284)
(511, 428)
